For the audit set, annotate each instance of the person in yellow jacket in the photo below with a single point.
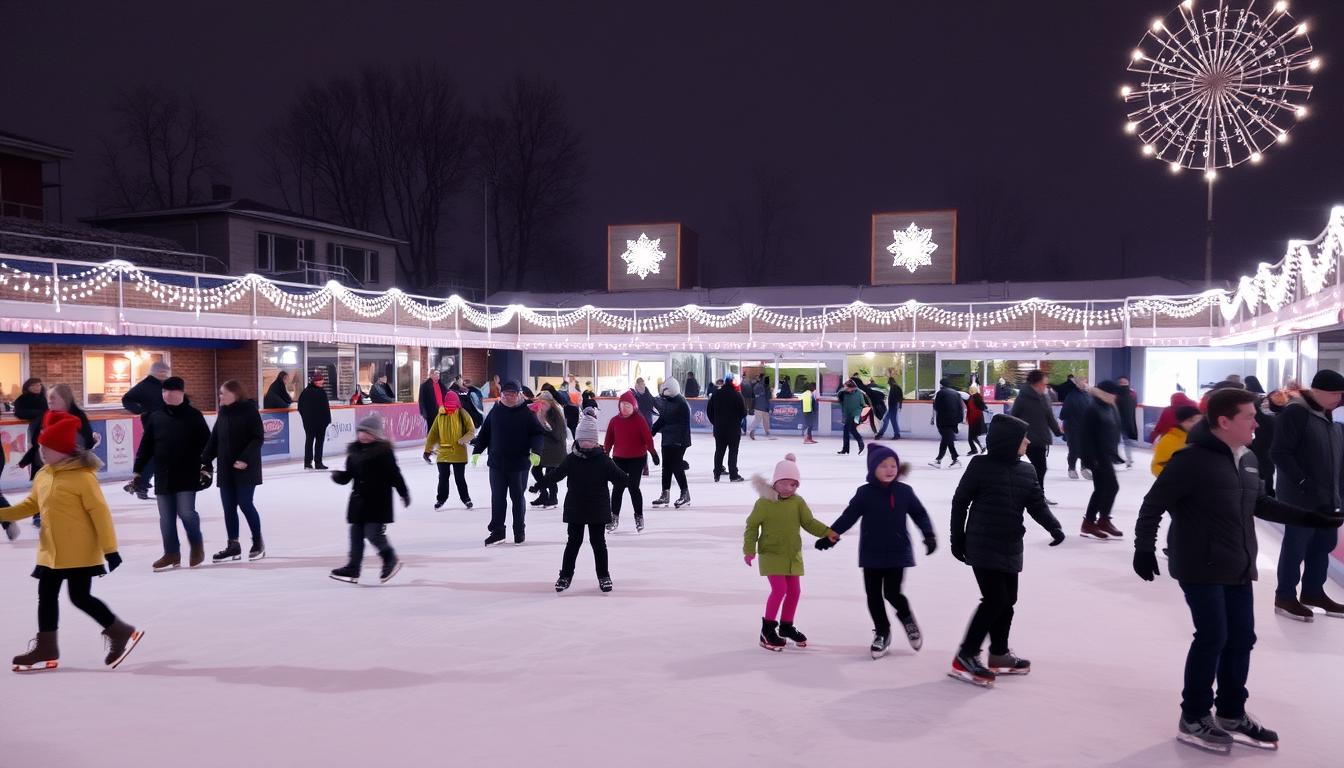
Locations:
(449, 435)
(1173, 440)
(76, 538)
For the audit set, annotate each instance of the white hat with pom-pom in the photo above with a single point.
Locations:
(787, 470)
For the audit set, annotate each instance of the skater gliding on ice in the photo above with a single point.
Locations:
(586, 471)
(174, 440)
(450, 433)
(514, 435)
(372, 473)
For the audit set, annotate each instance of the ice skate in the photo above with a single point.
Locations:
(1091, 530)
(518, 538)
(683, 500)
(1109, 529)
(12, 531)
(1204, 734)
(912, 632)
(737, 479)
(390, 570)
(120, 638)
(1246, 731)
(1087, 474)
(770, 639)
(604, 583)
(43, 654)
(790, 632)
(639, 523)
(661, 501)
(167, 563)
(1323, 602)
(438, 504)
(955, 463)
(258, 550)
(1008, 664)
(1073, 474)
(348, 574)
(494, 539)
(881, 644)
(969, 669)
(1293, 610)
(229, 553)
(614, 524)
(562, 583)
(467, 503)
(936, 463)
(197, 554)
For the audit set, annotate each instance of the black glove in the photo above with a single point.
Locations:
(340, 476)
(930, 545)
(406, 500)
(1326, 517)
(1056, 537)
(113, 561)
(427, 461)
(823, 544)
(656, 461)
(959, 549)
(1145, 564)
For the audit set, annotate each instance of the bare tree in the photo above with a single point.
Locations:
(759, 224)
(531, 158)
(163, 153)
(995, 226)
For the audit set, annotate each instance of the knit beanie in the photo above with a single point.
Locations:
(787, 470)
(876, 455)
(373, 424)
(671, 388)
(158, 368)
(60, 432)
(451, 402)
(587, 429)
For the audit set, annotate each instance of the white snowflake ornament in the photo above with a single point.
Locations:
(912, 247)
(642, 256)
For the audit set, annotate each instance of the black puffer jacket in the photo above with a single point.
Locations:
(371, 470)
(725, 410)
(510, 434)
(144, 398)
(674, 420)
(1213, 496)
(277, 396)
(31, 408)
(1101, 434)
(587, 473)
(1034, 408)
(1127, 404)
(314, 409)
(175, 438)
(237, 436)
(33, 458)
(648, 406)
(987, 506)
(948, 408)
(382, 393)
(1307, 451)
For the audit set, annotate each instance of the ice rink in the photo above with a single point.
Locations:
(469, 658)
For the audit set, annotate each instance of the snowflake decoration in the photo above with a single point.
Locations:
(912, 247)
(642, 256)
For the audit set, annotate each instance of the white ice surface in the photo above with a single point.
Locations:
(469, 658)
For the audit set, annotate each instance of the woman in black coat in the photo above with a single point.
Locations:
(588, 470)
(372, 473)
(31, 406)
(674, 422)
(235, 447)
(277, 396)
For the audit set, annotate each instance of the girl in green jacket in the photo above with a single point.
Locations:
(772, 530)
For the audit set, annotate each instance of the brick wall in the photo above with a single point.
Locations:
(58, 364)
(197, 368)
(475, 366)
(241, 364)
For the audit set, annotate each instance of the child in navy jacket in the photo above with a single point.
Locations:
(885, 505)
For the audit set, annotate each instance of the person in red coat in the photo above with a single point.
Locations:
(628, 440)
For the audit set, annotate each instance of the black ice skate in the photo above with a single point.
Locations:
(230, 553)
(661, 501)
(562, 583)
(390, 570)
(1293, 610)
(770, 639)
(494, 539)
(969, 669)
(258, 550)
(881, 644)
(614, 524)
(912, 633)
(1245, 730)
(1008, 664)
(683, 500)
(639, 523)
(604, 583)
(790, 632)
(1324, 602)
(1204, 734)
(348, 573)
(120, 638)
(43, 654)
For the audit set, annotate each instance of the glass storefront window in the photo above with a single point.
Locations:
(613, 377)
(447, 360)
(336, 363)
(407, 380)
(653, 372)
(883, 368)
(543, 371)
(374, 360)
(963, 373)
(582, 371)
(689, 362)
(926, 378)
(1057, 371)
(11, 376)
(108, 375)
(276, 356)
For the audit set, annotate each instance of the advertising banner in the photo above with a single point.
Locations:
(340, 433)
(276, 428)
(699, 420)
(14, 442)
(402, 421)
(99, 427)
(117, 444)
(786, 415)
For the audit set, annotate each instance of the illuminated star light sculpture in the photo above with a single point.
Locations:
(642, 256)
(912, 247)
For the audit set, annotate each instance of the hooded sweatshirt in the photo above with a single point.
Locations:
(629, 437)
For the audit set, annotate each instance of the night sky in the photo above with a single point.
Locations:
(1001, 109)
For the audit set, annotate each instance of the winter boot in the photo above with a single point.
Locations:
(683, 500)
(1323, 602)
(562, 583)
(1293, 610)
(120, 638)
(42, 654)
(790, 632)
(1205, 734)
(1008, 664)
(346, 573)
(232, 552)
(881, 644)
(391, 567)
(167, 563)
(969, 668)
(1091, 530)
(1109, 529)
(197, 554)
(912, 632)
(604, 583)
(661, 501)
(639, 523)
(1244, 730)
(258, 550)
(770, 639)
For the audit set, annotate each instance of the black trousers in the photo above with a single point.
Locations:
(1224, 618)
(880, 583)
(851, 429)
(545, 493)
(79, 589)
(1036, 455)
(597, 537)
(376, 533)
(674, 460)
(947, 442)
(729, 443)
(507, 487)
(1104, 489)
(994, 616)
(312, 447)
(634, 470)
(457, 472)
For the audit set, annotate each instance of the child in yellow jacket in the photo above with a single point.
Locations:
(447, 442)
(76, 537)
(1173, 440)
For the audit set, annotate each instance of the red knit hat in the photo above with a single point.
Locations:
(60, 432)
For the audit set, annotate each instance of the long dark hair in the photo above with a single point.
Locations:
(30, 382)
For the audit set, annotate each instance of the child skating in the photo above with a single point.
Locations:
(587, 470)
(883, 506)
(772, 531)
(372, 473)
(447, 442)
(73, 544)
(987, 535)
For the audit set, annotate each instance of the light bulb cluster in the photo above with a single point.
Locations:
(1309, 262)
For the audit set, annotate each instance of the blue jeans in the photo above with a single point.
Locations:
(1305, 555)
(1224, 619)
(892, 418)
(173, 506)
(233, 496)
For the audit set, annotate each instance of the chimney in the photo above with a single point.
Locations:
(220, 192)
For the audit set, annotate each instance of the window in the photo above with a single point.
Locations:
(543, 371)
(276, 356)
(279, 254)
(374, 361)
(408, 374)
(613, 377)
(362, 264)
(445, 360)
(109, 374)
(12, 374)
(336, 363)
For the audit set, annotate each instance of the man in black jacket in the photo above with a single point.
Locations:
(143, 399)
(315, 413)
(1096, 446)
(1127, 404)
(381, 391)
(1213, 492)
(514, 435)
(1308, 453)
(431, 401)
(1073, 412)
(1033, 406)
(948, 412)
(692, 385)
(175, 437)
(725, 411)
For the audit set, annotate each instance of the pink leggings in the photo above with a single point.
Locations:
(786, 590)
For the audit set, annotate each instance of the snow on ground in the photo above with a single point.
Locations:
(470, 658)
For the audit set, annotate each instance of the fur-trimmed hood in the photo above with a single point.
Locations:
(81, 460)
